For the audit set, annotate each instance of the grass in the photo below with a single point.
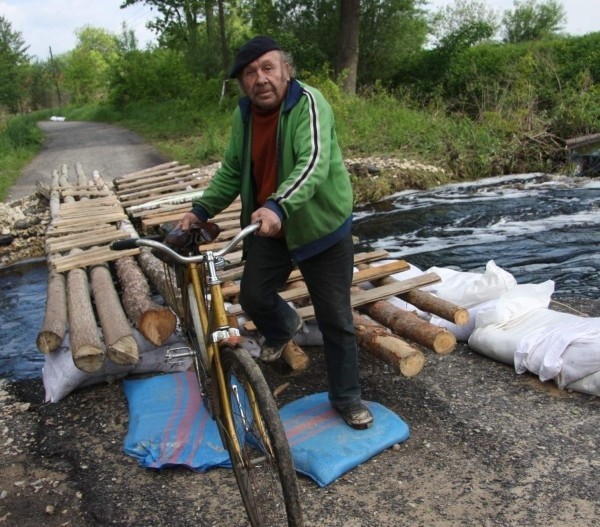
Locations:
(20, 141)
(371, 125)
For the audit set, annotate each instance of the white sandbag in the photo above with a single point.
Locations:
(462, 333)
(468, 289)
(518, 301)
(566, 352)
(61, 377)
(534, 331)
(500, 341)
(589, 385)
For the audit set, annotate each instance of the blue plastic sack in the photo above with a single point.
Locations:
(324, 447)
(169, 426)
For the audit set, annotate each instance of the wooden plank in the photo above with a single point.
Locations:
(82, 212)
(160, 193)
(235, 273)
(90, 220)
(88, 240)
(176, 216)
(584, 140)
(184, 183)
(370, 295)
(70, 235)
(89, 192)
(154, 178)
(108, 200)
(298, 293)
(159, 182)
(89, 257)
(143, 173)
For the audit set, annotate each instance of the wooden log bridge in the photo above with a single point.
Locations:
(124, 286)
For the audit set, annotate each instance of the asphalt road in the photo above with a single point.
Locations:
(111, 150)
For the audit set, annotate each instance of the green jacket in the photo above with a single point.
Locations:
(314, 194)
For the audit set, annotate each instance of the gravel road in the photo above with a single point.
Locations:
(488, 447)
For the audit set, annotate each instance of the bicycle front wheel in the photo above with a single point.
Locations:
(263, 464)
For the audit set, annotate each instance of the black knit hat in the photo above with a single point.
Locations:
(250, 51)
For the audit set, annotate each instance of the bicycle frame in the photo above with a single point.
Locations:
(201, 272)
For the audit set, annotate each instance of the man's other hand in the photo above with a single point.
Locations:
(270, 222)
(188, 220)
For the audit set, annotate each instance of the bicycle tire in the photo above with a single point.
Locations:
(266, 477)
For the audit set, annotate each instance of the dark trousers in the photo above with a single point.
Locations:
(328, 276)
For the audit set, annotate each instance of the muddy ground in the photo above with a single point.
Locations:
(488, 447)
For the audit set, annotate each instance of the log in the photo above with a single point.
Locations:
(390, 348)
(118, 335)
(162, 277)
(86, 345)
(437, 306)
(295, 357)
(408, 325)
(54, 327)
(155, 322)
(427, 302)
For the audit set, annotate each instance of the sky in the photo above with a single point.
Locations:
(45, 24)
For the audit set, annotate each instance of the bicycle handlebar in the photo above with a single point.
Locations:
(132, 243)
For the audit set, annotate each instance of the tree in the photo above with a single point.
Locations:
(532, 21)
(455, 19)
(88, 67)
(180, 24)
(392, 32)
(348, 44)
(14, 63)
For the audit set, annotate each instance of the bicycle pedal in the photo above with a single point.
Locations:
(177, 355)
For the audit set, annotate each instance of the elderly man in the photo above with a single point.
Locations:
(284, 160)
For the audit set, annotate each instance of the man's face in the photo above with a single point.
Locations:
(265, 80)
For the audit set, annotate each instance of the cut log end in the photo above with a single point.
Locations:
(412, 365)
(48, 341)
(295, 356)
(157, 325)
(88, 358)
(444, 343)
(461, 317)
(124, 352)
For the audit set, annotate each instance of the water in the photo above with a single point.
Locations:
(22, 306)
(536, 227)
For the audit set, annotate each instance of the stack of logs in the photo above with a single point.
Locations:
(78, 255)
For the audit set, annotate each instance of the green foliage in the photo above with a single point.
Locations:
(150, 76)
(531, 20)
(88, 67)
(20, 140)
(391, 32)
(13, 67)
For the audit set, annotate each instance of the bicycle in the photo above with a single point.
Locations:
(232, 385)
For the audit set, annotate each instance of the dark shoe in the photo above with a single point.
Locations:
(272, 353)
(357, 416)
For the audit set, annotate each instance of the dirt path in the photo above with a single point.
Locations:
(487, 448)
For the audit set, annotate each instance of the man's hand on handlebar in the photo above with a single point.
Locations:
(189, 218)
(270, 222)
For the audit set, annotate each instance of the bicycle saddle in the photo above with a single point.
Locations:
(197, 234)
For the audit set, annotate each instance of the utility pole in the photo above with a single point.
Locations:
(55, 71)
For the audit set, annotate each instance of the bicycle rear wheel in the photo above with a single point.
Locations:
(264, 472)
